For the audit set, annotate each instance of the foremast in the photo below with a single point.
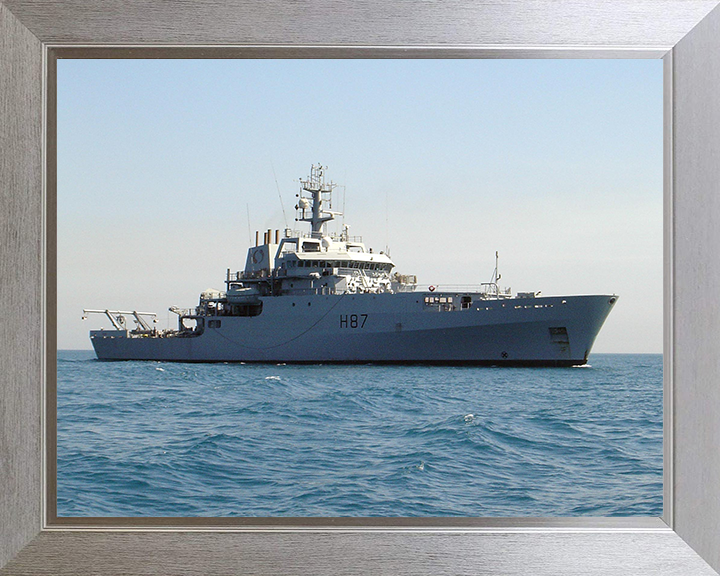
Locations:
(320, 193)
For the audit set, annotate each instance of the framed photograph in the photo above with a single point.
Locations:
(369, 352)
(682, 540)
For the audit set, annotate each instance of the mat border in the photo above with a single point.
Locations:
(36, 516)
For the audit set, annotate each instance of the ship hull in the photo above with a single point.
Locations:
(384, 328)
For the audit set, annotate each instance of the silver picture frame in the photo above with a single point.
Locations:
(685, 33)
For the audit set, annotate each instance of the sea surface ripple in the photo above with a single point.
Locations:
(175, 439)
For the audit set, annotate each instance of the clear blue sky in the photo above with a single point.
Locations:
(555, 163)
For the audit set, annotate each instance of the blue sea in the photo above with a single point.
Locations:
(173, 439)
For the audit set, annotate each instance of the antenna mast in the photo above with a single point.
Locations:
(496, 275)
(316, 186)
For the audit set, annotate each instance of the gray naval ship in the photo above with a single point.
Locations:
(322, 297)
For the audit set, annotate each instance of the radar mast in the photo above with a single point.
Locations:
(317, 187)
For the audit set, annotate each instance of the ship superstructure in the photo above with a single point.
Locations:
(323, 297)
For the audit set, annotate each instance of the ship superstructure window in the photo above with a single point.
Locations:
(288, 246)
(310, 246)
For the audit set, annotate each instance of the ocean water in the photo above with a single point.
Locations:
(173, 439)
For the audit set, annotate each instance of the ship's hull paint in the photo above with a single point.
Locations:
(385, 328)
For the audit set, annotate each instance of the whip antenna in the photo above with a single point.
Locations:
(279, 196)
(247, 207)
(387, 210)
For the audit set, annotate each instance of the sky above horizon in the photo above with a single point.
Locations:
(167, 167)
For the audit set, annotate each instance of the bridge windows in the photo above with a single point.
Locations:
(288, 246)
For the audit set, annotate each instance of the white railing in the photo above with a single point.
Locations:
(482, 288)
